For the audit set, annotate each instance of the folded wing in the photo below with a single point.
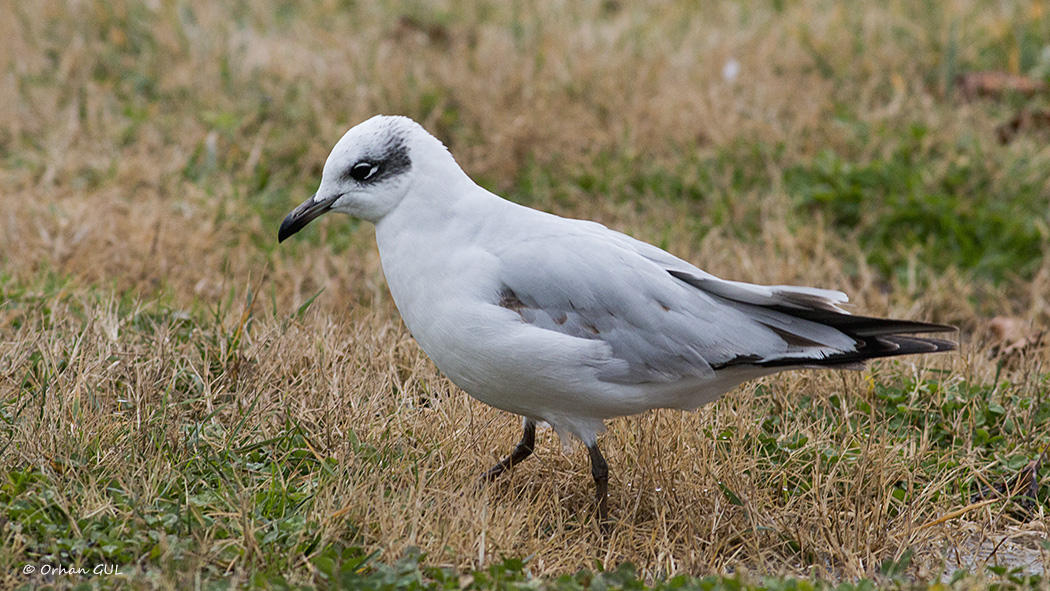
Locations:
(664, 320)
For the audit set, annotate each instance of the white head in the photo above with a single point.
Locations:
(369, 171)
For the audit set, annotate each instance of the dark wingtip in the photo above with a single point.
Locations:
(876, 338)
(909, 344)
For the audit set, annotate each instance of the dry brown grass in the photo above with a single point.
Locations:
(115, 416)
(150, 148)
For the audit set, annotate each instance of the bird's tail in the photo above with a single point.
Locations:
(875, 337)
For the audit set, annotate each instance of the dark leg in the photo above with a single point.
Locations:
(600, 471)
(521, 451)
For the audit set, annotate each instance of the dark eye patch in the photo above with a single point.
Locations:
(390, 160)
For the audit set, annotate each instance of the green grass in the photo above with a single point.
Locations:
(947, 206)
(963, 206)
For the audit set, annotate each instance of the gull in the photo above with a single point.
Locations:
(564, 321)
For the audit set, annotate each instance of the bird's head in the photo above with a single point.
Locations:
(368, 172)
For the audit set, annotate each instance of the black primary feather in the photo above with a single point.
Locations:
(876, 337)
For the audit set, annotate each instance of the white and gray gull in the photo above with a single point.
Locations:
(566, 321)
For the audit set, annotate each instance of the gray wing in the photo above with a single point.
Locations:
(662, 318)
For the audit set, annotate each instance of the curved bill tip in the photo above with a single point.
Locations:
(306, 212)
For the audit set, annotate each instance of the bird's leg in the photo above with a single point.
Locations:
(521, 451)
(600, 471)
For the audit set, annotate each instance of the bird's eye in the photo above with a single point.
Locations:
(362, 170)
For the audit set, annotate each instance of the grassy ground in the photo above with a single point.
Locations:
(185, 401)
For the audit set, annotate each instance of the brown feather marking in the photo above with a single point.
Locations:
(509, 300)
